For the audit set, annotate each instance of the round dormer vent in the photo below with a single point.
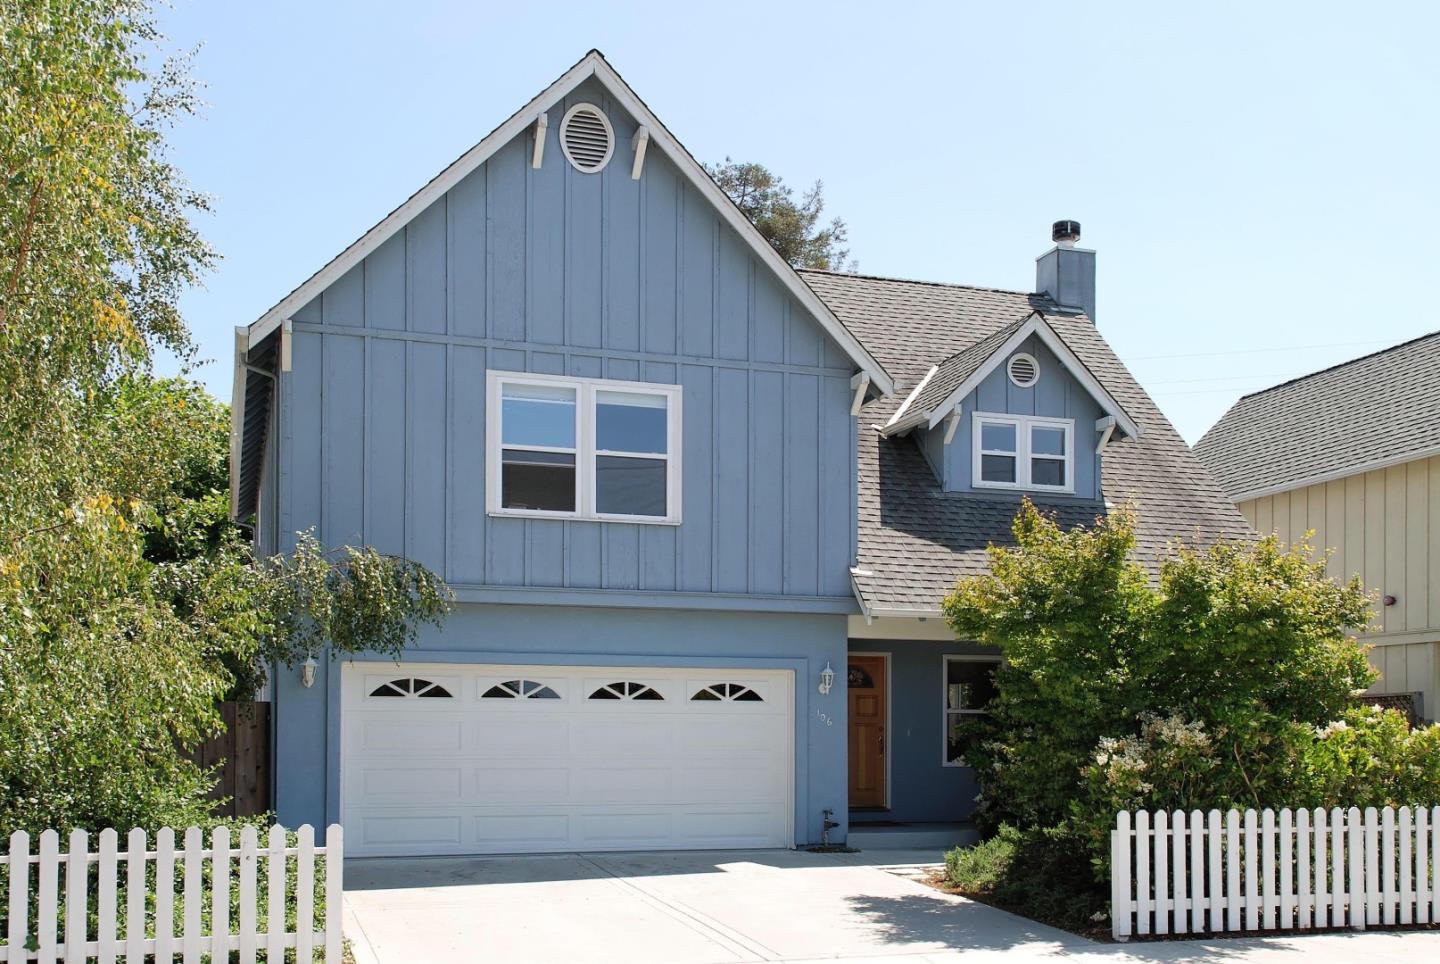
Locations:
(587, 138)
(1024, 371)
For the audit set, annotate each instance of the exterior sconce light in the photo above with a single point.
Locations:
(827, 679)
(307, 672)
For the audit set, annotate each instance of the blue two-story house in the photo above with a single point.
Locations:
(699, 510)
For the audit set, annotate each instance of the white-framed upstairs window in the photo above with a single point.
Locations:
(969, 688)
(582, 448)
(1024, 452)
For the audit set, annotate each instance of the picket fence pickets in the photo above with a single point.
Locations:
(1207, 872)
(145, 926)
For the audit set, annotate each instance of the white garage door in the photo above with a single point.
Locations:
(459, 759)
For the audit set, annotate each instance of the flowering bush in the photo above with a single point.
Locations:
(1225, 683)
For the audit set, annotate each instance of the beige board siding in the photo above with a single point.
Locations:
(1383, 526)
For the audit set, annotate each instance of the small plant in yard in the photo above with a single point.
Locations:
(1226, 682)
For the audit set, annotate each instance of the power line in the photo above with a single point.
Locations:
(1256, 351)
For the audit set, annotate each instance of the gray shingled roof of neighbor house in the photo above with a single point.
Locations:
(916, 540)
(1377, 410)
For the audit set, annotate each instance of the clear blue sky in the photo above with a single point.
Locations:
(1260, 180)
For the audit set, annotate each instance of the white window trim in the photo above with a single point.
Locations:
(945, 711)
(585, 450)
(1023, 424)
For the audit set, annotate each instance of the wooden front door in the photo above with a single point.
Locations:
(867, 691)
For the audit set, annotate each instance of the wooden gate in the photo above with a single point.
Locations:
(242, 753)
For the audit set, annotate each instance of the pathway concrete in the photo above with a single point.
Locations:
(721, 907)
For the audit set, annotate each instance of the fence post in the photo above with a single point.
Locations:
(105, 905)
(1162, 872)
(1372, 866)
(248, 842)
(275, 868)
(305, 895)
(1407, 896)
(1143, 901)
(19, 930)
(1423, 857)
(135, 897)
(1119, 881)
(48, 888)
(1177, 870)
(1355, 851)
(1233, 906)
(1197, 872)
(1252, 870)
(335, 890)
(220, 894)
(194, 871)
(165, 894)
(1301, 867)
(77, 893)
(1269, 910)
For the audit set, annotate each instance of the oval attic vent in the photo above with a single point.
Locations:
(587, 138)
(1024, 370)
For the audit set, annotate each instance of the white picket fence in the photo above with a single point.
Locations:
(53, 915)
(1173, 874)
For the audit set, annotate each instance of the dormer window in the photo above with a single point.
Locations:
(1024, 452)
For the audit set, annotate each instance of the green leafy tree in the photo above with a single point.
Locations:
(1228, 682)
(1245, 640)
(792, 226)
(128, 603)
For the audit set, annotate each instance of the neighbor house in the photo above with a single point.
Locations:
(699, 510)
(1351, 454)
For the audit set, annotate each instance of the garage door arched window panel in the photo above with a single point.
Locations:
(520, 689)
(411, 687)
(626, 690)
(727, 693)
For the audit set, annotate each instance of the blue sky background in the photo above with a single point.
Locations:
(1260, 180)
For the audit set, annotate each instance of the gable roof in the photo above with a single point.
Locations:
(959, 375)
(916, 540)
(593, 64)
(1374, 411)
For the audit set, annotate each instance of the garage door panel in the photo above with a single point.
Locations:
(410, 832)
(378, 734)
(518, 833)
(381, 784)
(516, 774)
(623, 784)
(621, 738)
(722, 828)
(524, 736)
(520, 785)
(731, 735)
(633, 830)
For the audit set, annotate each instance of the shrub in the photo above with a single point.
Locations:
(1040, 873)
(1225, 682)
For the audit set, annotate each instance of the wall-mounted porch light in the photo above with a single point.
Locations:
(827, 679)
(307, 672)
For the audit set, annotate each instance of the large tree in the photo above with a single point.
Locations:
(128, 604)
(792, 226)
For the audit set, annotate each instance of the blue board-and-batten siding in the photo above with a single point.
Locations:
(1056, 395)
(548, 270)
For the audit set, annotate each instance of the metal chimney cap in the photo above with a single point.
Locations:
(1065, 232)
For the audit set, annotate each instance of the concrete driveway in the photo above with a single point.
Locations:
(717, 907)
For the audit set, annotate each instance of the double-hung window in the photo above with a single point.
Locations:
(969, 687)
(1024, 452)
(583, 448)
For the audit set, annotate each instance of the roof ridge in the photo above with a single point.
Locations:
(1335, 367)
(919, 281)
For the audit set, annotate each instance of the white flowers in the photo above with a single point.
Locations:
(1330, 729)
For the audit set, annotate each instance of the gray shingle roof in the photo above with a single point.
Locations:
(915, 540)
(1372, 410)
(951, 373)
